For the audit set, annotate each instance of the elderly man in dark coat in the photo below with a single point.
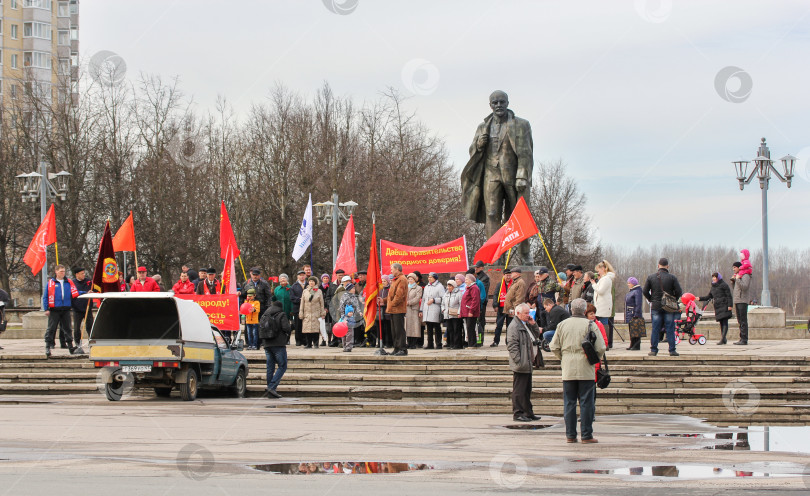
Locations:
(499, 171)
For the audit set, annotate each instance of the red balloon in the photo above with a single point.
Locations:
(340, 329)
(246, 308)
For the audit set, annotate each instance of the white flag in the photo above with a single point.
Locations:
(305, 233)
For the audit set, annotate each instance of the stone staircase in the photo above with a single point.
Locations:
(776, 389)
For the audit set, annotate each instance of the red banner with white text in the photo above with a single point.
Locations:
(447, 257)
(222, 309)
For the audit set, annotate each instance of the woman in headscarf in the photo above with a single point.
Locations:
(633, 314)
(470, 309)
(413, 323)
(451, 304)
(720, 296)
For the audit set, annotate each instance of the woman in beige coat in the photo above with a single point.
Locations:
(312, 309)
(413, 322)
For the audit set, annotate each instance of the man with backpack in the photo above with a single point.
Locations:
(274, 331)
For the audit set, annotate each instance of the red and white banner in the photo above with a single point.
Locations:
(447, 257)
(222, 310)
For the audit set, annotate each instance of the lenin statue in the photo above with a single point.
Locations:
(499, 171)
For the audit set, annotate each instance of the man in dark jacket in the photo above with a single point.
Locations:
(83, 284)
(296, 291)
(482, 276)
(554, 315)
(261, 287)
(275, 347)
(653, 291)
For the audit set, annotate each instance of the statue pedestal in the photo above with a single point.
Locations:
(35, 321)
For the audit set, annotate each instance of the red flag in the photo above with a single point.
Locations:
(38, 249)
(226, 237)
(228, 279)
(345, 257)
(105, 275)
(487, 251)
(373, 282)
(124, 239)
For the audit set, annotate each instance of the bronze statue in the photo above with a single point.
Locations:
(499, 171)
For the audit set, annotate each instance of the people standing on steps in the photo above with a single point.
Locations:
(654, 288)
(351, 312)
(741, 288)
(83, 284)
(57, 302)
(498, 302)
(634, 314)
(515, 295)
(310, 311)
(482, 276)
(470, 308)
(296, 290)
(451, 310)
(720, 296)
(603, 297)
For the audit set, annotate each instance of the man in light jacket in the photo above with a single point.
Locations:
(577, 373)
(521, 341)
(740, 289)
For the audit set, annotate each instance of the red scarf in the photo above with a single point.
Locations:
(504, 289)
(74, 293)
(216, 285)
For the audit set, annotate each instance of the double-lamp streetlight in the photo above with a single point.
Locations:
(763, 169)
(332, 212)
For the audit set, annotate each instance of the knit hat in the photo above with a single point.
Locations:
(414, 276)
(434, 275)
(562, 276)
(632, 281)
(312, 278)
(452, 282)
(349, 286)
(285, 276)
(737, 264)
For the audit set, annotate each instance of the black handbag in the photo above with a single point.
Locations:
(603, 375)
(538, 362)
(587, 346)
(668, 302)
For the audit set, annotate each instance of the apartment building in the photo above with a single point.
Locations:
(39, 47)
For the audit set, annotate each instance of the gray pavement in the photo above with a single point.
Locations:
(86, 445)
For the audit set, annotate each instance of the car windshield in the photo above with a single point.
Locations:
(137, 319)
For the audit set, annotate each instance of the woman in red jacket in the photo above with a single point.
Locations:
(183, 286)
(471, 309)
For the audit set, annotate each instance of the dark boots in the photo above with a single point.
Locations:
(635, 344)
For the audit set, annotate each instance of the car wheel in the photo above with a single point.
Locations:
(114, 390)
(188, 390)
(239, 387)
(163, 392)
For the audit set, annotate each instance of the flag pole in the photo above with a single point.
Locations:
(548, 254)
(243, 267)
(56, 247)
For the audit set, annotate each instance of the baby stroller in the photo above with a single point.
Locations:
(686, 327)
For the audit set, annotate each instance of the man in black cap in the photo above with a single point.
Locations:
(482, 276)
(577, 284)
(361, 283)
(296, 291)
(261, 287)
(658, 283)
(79, 307)
(200, 277)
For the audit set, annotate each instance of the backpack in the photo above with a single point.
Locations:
(270, 325)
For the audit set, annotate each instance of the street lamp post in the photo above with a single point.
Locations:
(763, 168)
(45, 186)
(332, 212)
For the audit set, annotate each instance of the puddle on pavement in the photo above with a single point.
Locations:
(788, 439)
(527, 427)
(685, 472)
(304, 468)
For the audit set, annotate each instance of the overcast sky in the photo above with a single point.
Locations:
(626, 92)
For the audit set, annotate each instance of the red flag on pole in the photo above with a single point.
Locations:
(105, 275)
(519, 227)
(226, 237)
(345, 257)
(38, 248)
(373, 282)
(228, 279)
(124, 239)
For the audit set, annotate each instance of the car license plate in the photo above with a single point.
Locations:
(136, 368)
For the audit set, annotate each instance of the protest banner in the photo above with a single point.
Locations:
(222, 309)
(447, 257)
